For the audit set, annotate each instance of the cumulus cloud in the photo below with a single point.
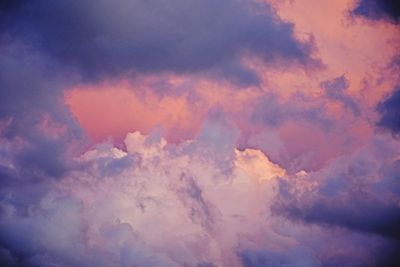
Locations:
(165, 207)
(159, 204)
(202, 202)
(47, 47)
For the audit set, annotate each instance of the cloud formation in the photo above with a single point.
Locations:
(359, 192)
(389, 110)
(291, 170)
(378, 9)
(134, 198)
(201, 203)
(336, 90)
(119, 37)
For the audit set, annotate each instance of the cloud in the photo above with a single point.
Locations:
(389, 110)
(37, 130)
(160, 209)
(378, 9)
(293, 257)
(201, 202)
(358, 192)
(30, 87)
(48, 47)
(336, 90)
(273, 111)
(159, 204)
(106, 38)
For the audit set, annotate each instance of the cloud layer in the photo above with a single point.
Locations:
(109, 38)
(199, 133)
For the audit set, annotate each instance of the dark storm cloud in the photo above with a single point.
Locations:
(378, 9)
(389, 110)
(112, 37)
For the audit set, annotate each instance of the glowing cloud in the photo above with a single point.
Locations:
(230, 133)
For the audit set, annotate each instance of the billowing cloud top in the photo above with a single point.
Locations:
(232, 133)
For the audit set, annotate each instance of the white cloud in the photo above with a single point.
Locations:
(158, 204)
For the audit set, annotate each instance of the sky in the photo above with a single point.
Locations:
(229, 133)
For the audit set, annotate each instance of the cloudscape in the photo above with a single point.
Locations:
(229, 133)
